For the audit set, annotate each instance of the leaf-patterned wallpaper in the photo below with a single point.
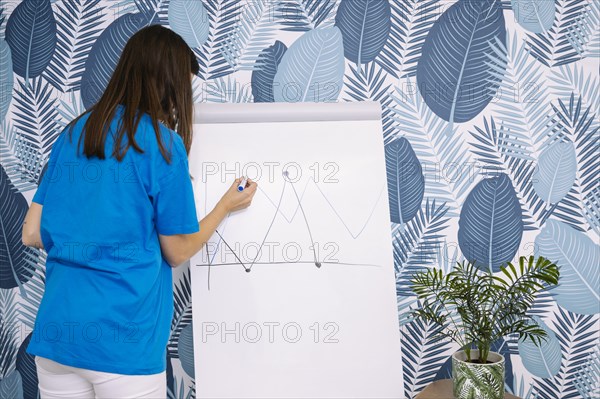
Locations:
(491, 122)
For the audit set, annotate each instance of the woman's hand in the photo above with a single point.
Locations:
(234, 200)
(179, 248)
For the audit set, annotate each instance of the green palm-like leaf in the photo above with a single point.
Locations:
(476, 308)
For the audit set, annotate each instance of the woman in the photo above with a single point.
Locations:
(118, 213)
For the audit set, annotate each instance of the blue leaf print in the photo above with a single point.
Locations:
(490, 226)
(313, 64)
(250, 34)
(16, 259)
(36, 117)
(578, 338)
(586, 377)
(25, 364)
(182, 312)
(402, 50)
(156, 11)
(418, 244)
(31, 35)
(423, 352)
(405, 180)
(105, 54)
(542, 361)
(11, 385)
(578, 258)
(264, 73)
(169, 375)
(305, 15)
(573, 122)
(190, 20)
(78, 23)
(556, 46)
(185, 349)
(453, 74)
(365, 27)
(498, 151)
(436, 150)
(223, 15)
(534, 15)
(6, 78)
(556, 172)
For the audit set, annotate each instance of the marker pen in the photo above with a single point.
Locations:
(242, 184)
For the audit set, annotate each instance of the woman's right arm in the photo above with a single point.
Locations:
(179, 248)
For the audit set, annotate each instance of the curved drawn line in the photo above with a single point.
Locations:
(289, 220)
(341, 219)
(292, 263)
(270, 226)
(305, 221)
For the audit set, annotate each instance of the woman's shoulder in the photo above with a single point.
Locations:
(168, 136)
(171, 140)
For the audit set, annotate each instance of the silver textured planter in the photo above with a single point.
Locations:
(478, 381)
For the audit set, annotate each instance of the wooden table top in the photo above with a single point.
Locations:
(442, 389)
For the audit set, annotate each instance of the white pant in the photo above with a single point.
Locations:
(57, 380)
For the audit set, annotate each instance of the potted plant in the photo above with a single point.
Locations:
(474, 308)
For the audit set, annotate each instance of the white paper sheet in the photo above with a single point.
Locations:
(315, 315)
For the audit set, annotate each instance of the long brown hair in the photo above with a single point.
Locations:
(153, 76)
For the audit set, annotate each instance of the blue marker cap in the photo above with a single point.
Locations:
(242, 184)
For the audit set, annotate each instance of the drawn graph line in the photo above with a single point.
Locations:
(290, 220)
(317, 263)
(290, 263)
(329, 203)
(269, 229)
(277, 212)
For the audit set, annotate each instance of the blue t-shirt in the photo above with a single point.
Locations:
(108, 301)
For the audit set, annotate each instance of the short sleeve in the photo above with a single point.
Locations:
(174, 205)
(48, 175)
